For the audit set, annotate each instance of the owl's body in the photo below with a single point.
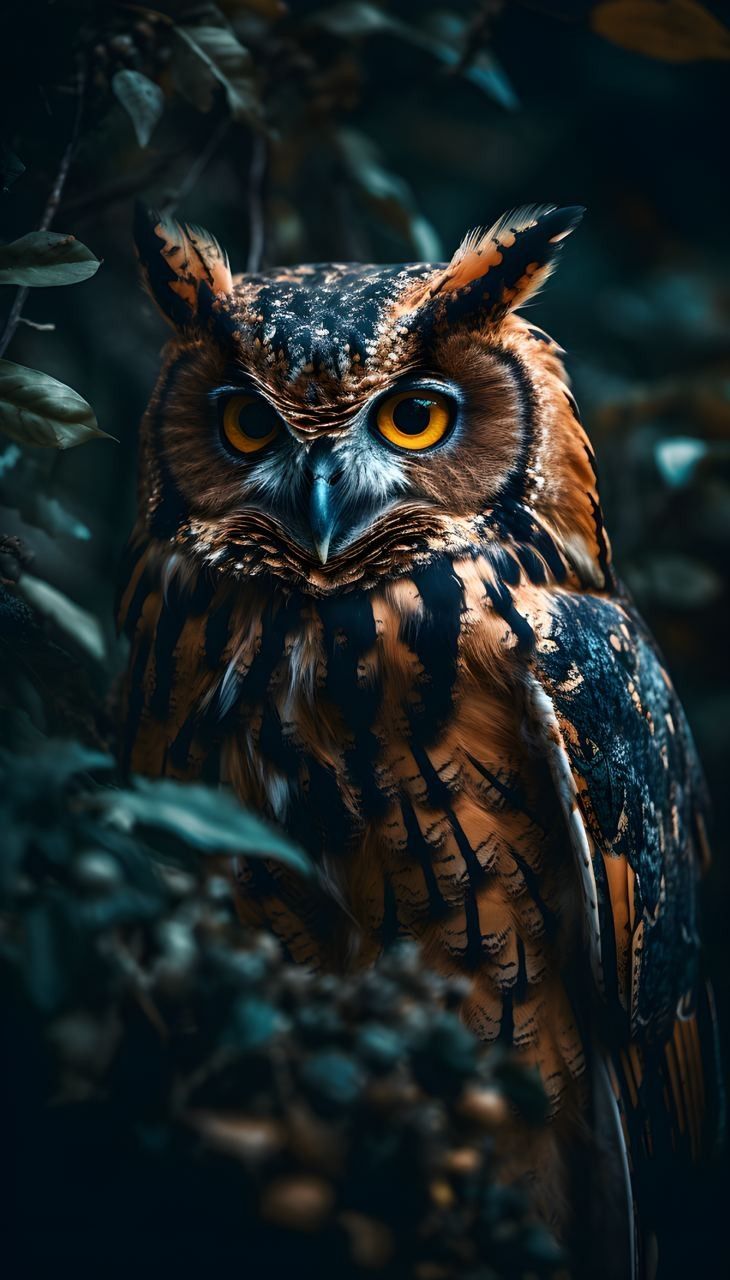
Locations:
(396, 631)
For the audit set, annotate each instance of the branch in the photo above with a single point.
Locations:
(51, 208)
(256, 221)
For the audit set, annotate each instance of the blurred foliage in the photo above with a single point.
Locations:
(179, 1089)
(314, 131)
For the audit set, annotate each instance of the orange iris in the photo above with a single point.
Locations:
(414, 420)
(249, 423)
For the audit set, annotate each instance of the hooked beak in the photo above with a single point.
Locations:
(322, 499)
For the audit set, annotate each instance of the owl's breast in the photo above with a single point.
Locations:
(383, 730)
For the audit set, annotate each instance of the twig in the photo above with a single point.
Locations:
(51, 208)
(197, 168)
(35, 324)
(256, 222)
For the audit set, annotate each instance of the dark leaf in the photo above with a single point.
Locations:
(50, 953)
(203, 818)
(354, 19)
(142, 99)
(36, 409)
(57, 764)
(443, 40)
(51, 603)
(672, 30)
(387, 194)
(45, 259)
(11, 167)
(209, 58)
(446, 38)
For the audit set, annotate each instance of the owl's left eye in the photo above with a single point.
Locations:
(415, 420)
(248, 423)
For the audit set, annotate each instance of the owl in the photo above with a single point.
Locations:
(370, 590)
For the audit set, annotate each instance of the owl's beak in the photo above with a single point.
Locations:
(325, 473)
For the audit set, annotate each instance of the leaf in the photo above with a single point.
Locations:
(21, 479)
(677, 459)
(387, 193)
(203, 818)
(443, 40)
(142, 99)
(211, 57)
(11, 167)
(45, 259)
(355, 19)
(672, 30)
(446, 39)
(49, 941)
(83, 627)
(486, 74)
(36, 409)
(47, 513)
(53, 766)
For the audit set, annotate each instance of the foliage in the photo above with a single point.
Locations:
(342, 1127)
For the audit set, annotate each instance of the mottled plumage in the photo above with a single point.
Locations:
(418, 660)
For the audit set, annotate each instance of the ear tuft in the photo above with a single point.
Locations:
(495, 271)
(183, 266)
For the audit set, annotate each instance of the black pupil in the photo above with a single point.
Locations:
(257, 420)
(413, 415)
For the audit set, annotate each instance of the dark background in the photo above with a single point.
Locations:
(385, 133)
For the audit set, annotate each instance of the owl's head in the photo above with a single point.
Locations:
(334, 424)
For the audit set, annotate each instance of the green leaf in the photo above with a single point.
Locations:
(45, 259)
(142, 99)
(208, 58)
(36, 409)
(203, 818)
(81, 626)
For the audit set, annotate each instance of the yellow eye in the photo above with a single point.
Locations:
(249, 423)
(415, 420)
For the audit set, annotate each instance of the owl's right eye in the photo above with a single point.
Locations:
(248, 423)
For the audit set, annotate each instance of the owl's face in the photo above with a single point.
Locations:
(332, 425)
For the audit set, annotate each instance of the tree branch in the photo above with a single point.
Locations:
(51, 208)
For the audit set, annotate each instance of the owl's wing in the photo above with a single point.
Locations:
(624, 764)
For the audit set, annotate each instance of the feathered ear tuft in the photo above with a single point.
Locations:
(183, 267)
(495, 271)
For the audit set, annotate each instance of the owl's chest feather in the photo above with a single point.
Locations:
(383, 730)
